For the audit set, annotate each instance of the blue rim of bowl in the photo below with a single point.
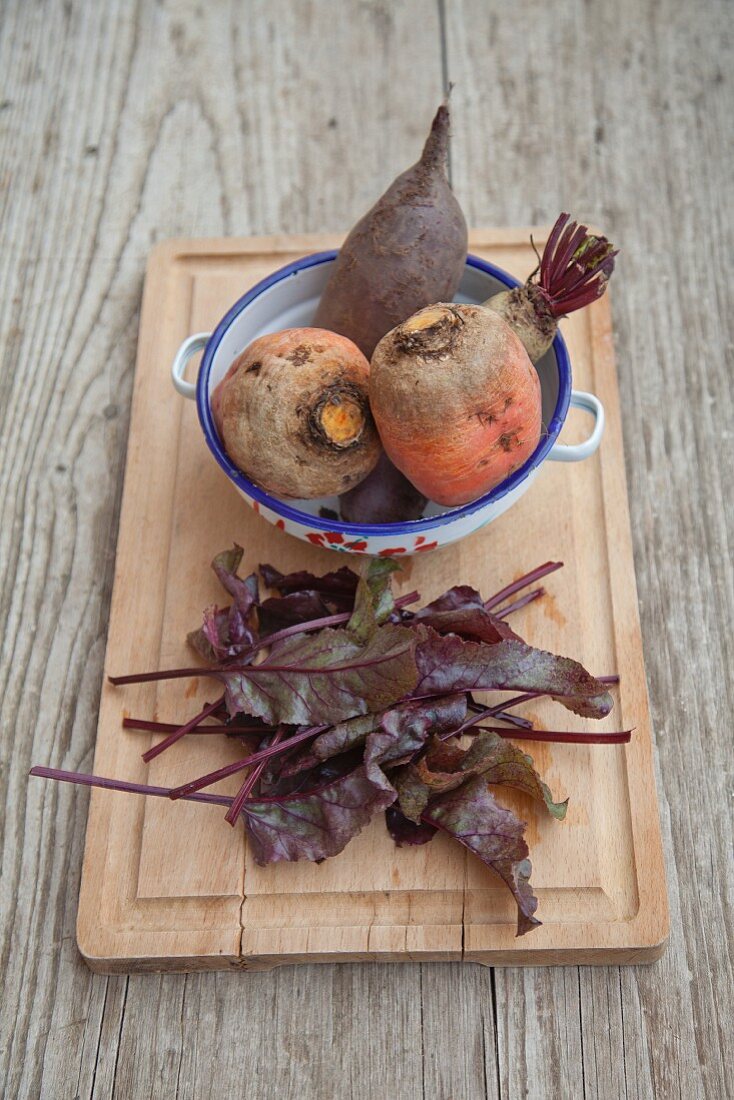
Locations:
(288, 511)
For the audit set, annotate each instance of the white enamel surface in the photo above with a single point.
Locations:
(291, 303)
(399, 544)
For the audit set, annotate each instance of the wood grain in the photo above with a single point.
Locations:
(115, 133)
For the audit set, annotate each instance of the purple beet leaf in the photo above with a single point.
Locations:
(405, 728)
(397, 732)
(224, 636)
(230, 632)
(338, 587)
(461, 611)
(502, 763)
(316, 824)
(449, 664)
(245, 593)
(374, 601)
(445, 767)
(278, 612)
(342, 737)
(405, 832)
(471, 815)
(326, 677)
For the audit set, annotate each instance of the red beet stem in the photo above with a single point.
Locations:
(522, 582)
(499, 711)
(551, 245)
(170, 727)
(248, 786)
(165, 674)
(238, 765)
(575, 267)
(177, 734)
(618, 737)
(513, 719)
(515, 701)
(526, 599)
(84, 780)
(328, 620)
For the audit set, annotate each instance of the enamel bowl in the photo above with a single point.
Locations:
(288, 299)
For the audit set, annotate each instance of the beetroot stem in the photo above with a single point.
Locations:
(231, 769)
(513, 719)
(248, 786)
(618, 737)
(172, 738)
(144, 726)
(328, 620)
(85, 780)
(522, 582)
(523, 600)
(165, 674)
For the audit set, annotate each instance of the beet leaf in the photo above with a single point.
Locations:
(446, 767)
(500, 762)
(325, 677)
(339, 587)
(224, 636)
(316, 824)
(449, 664)
(471, 815)
(353, 686)
(461, 611)
(397, 732)
(373, 602)
(405, 832)
(245, 593)
(342, 737)
(230, 632)
(278, 612)
(405, 728)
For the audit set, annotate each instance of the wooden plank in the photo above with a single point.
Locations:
(599, 877)
(98, 103)
(613, 140)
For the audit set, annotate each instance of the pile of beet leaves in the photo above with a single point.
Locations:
(358, 706)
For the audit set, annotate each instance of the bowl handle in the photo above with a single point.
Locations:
(190, 346)
(574, 452)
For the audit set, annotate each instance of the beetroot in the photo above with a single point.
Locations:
(407, 251)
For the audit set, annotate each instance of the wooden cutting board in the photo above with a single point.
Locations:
(172, 886)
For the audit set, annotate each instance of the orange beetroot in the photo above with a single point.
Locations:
(456, 401)
(453, 390)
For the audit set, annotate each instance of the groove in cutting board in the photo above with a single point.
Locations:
(171, 886)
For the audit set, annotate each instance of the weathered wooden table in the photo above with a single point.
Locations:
(122, 124)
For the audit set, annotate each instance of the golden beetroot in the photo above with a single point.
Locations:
(293, 413)
(453, 390)
(456, 401)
